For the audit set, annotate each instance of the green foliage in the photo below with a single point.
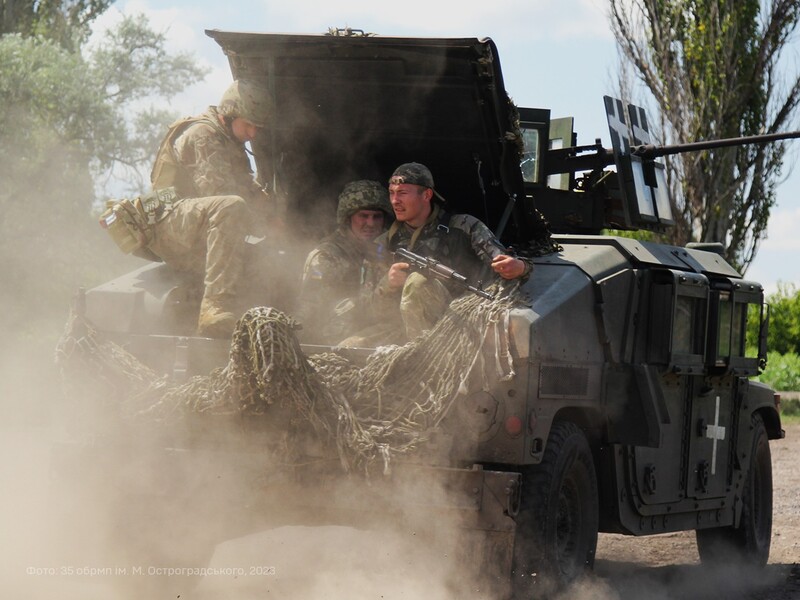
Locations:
(790, 407)
(65, 22)
(47, 105)
(69, 120)
(641, 234)
(131, 65)
(782, 372)
(784, 321)
(85, 104)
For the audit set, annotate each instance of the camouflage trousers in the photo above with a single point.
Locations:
(423, 302)
(206, 236)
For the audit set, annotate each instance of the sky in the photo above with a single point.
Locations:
(556, 54)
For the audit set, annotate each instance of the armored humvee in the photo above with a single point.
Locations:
(631, 409)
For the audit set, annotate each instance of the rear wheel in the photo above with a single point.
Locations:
(749, 542)
(558, 519)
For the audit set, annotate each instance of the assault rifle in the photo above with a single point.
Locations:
(438, 270)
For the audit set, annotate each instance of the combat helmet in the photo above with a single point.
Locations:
(359, 195)
(247, 100)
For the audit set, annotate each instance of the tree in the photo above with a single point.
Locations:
(713, 69)
(70, 119)
(66, 22)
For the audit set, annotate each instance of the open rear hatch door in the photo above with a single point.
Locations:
(356, 107)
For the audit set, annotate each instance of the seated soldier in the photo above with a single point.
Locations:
(205, 160)
(339, 274)
(424, 227)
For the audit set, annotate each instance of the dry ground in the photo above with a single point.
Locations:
(667, 567)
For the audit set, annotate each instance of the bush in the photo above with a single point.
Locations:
(784, 320)
(782, 372)
(790, 408)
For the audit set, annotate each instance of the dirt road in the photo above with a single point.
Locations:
(667, 567)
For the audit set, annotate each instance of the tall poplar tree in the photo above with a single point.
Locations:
(714, 70)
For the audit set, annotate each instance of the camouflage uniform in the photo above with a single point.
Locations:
(205, 231)
(459, 241)
(340, 274)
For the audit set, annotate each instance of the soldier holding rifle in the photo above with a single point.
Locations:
(459, 241)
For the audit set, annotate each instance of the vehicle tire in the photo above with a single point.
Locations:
(557, 522)
(749, 542)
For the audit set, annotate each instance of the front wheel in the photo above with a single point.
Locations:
(749, 542)
(558, 519)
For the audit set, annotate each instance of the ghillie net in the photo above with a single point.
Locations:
(371, 412)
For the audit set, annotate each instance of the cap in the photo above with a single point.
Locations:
(414, 173)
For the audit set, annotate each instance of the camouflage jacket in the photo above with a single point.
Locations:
(459, 241)
(200, 158)
(338, 280)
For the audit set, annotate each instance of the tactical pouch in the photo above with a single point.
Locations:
(130, 222)
(123, 225)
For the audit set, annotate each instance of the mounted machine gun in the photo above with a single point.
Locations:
(633, 196)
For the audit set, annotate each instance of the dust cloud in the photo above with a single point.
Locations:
(92, 509)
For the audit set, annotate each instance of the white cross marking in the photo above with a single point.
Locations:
(717, 433)
(617, 127)
(639, 125)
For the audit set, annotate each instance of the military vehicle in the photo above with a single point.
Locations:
(632, 409)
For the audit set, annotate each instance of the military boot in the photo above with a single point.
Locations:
(214, 321)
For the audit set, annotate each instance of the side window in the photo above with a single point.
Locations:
(754, 314)
(687, 335)
(739, 329)
(530, 155)
(534, 124)
(732, 304)
(678, 313)
(724, 325)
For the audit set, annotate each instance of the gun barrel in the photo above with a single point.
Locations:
(652, 151)
(480, 291)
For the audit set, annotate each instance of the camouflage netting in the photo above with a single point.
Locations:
(371, 412)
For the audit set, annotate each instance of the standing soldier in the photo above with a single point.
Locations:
(205, 160)
(339, 274)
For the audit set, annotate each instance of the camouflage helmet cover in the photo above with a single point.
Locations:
(246, 100)
(362, 195)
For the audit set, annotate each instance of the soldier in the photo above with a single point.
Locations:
(339, 274)
(459, 241)
(204, 159)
